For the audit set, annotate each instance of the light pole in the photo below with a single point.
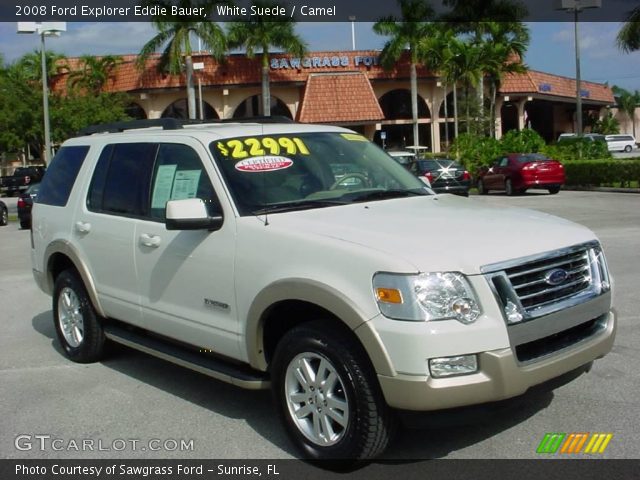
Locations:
(352, 19)
(44, 29)
(576, 6)
(197, 67)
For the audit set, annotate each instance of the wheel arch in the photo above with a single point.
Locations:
(61, 256)
(288, 303)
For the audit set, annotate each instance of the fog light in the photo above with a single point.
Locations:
(451, 366)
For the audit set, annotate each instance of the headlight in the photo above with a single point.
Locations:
(426, 297)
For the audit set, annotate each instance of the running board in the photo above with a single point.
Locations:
(239, 375)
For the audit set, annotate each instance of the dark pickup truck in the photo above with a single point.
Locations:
(21, 179)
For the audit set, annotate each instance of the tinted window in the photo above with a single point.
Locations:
(62, 172)
(533, 157)
(120, 181)
(179, 174)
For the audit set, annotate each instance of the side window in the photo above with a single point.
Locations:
(504, 162)
(120, 183)
(179, 174)
(61, 175)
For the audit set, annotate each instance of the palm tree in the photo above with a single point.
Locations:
(628, 39)
(628, 102)
(259, 34)
(176, 32)
(94, 73)
(406, 32)
(505, 45)
(476, 17)
(434, 51)
(30, 65)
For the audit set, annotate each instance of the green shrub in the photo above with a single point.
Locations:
(524, 141)
(475, 151)
(601, 172)
(576, 149)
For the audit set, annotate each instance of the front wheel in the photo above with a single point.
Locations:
(4, 217)
(77, 324)
(328, 396)
(553, 190)
(628, 148)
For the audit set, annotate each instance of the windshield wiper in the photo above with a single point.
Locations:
(297, 205)
(382, 195)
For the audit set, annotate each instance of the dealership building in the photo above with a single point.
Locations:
(351, 89)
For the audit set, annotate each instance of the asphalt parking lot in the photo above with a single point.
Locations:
(132, 399)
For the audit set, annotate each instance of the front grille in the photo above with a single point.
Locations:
(531, 284)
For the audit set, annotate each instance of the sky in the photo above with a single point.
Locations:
(551, 48)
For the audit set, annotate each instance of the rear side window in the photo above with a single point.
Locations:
(61, 175)
(120, 183)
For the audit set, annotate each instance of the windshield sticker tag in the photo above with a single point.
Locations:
(268, 163)
(354, 137)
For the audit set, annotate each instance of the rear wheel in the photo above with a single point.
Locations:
(4, 216)
(481, 188)
(328, 396)
(25, 225)
(553, 190)
(508, 188)
(628, 148)
(77, 323)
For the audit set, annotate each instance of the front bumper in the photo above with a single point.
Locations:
(500, 375)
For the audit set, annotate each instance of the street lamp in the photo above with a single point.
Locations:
(576, 6)
(44, 29)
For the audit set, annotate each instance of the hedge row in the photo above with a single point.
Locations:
(601, 172)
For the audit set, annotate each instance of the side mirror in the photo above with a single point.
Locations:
(190, 214)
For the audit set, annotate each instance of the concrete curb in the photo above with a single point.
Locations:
(603, 189)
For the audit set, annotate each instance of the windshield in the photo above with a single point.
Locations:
(281, 172)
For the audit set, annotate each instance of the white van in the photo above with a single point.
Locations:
(622, 142)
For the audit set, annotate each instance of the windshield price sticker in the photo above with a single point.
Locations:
(267, 163)
(354, 137)
(256, 147)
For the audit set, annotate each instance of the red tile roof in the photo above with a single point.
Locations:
(239, 70)
(534, 82)
(339, 97)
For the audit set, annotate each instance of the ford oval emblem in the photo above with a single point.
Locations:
(556, 276)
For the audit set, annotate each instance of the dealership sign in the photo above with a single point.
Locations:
(333, 61)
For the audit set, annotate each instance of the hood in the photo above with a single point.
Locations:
(440, 232)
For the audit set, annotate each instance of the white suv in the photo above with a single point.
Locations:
(620, 142)
(303, 258)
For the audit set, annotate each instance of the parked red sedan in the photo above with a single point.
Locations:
(517, 172)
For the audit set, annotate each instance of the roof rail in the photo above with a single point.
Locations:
(115, 127)
(173, 124)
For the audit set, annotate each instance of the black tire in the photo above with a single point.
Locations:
(628, 148)
(25, 225)
(508, 188)
(481, 189)
(81, 337)
(4, 217)
(553, 190)
(365, 430)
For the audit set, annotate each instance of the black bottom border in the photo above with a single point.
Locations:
(123, 469)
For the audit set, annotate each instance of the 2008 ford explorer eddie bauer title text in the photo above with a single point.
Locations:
(304, 259)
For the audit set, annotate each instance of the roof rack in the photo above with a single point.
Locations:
(173, 124)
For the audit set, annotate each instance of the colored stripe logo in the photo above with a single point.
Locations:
(573, 443)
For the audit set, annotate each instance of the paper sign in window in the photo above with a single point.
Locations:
(163, 185)
(185, 184)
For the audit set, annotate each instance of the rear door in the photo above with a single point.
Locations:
(104, 225)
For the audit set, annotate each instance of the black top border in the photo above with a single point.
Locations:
(299, 10)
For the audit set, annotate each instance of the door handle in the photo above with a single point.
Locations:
(152, 241)
(83, 227)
